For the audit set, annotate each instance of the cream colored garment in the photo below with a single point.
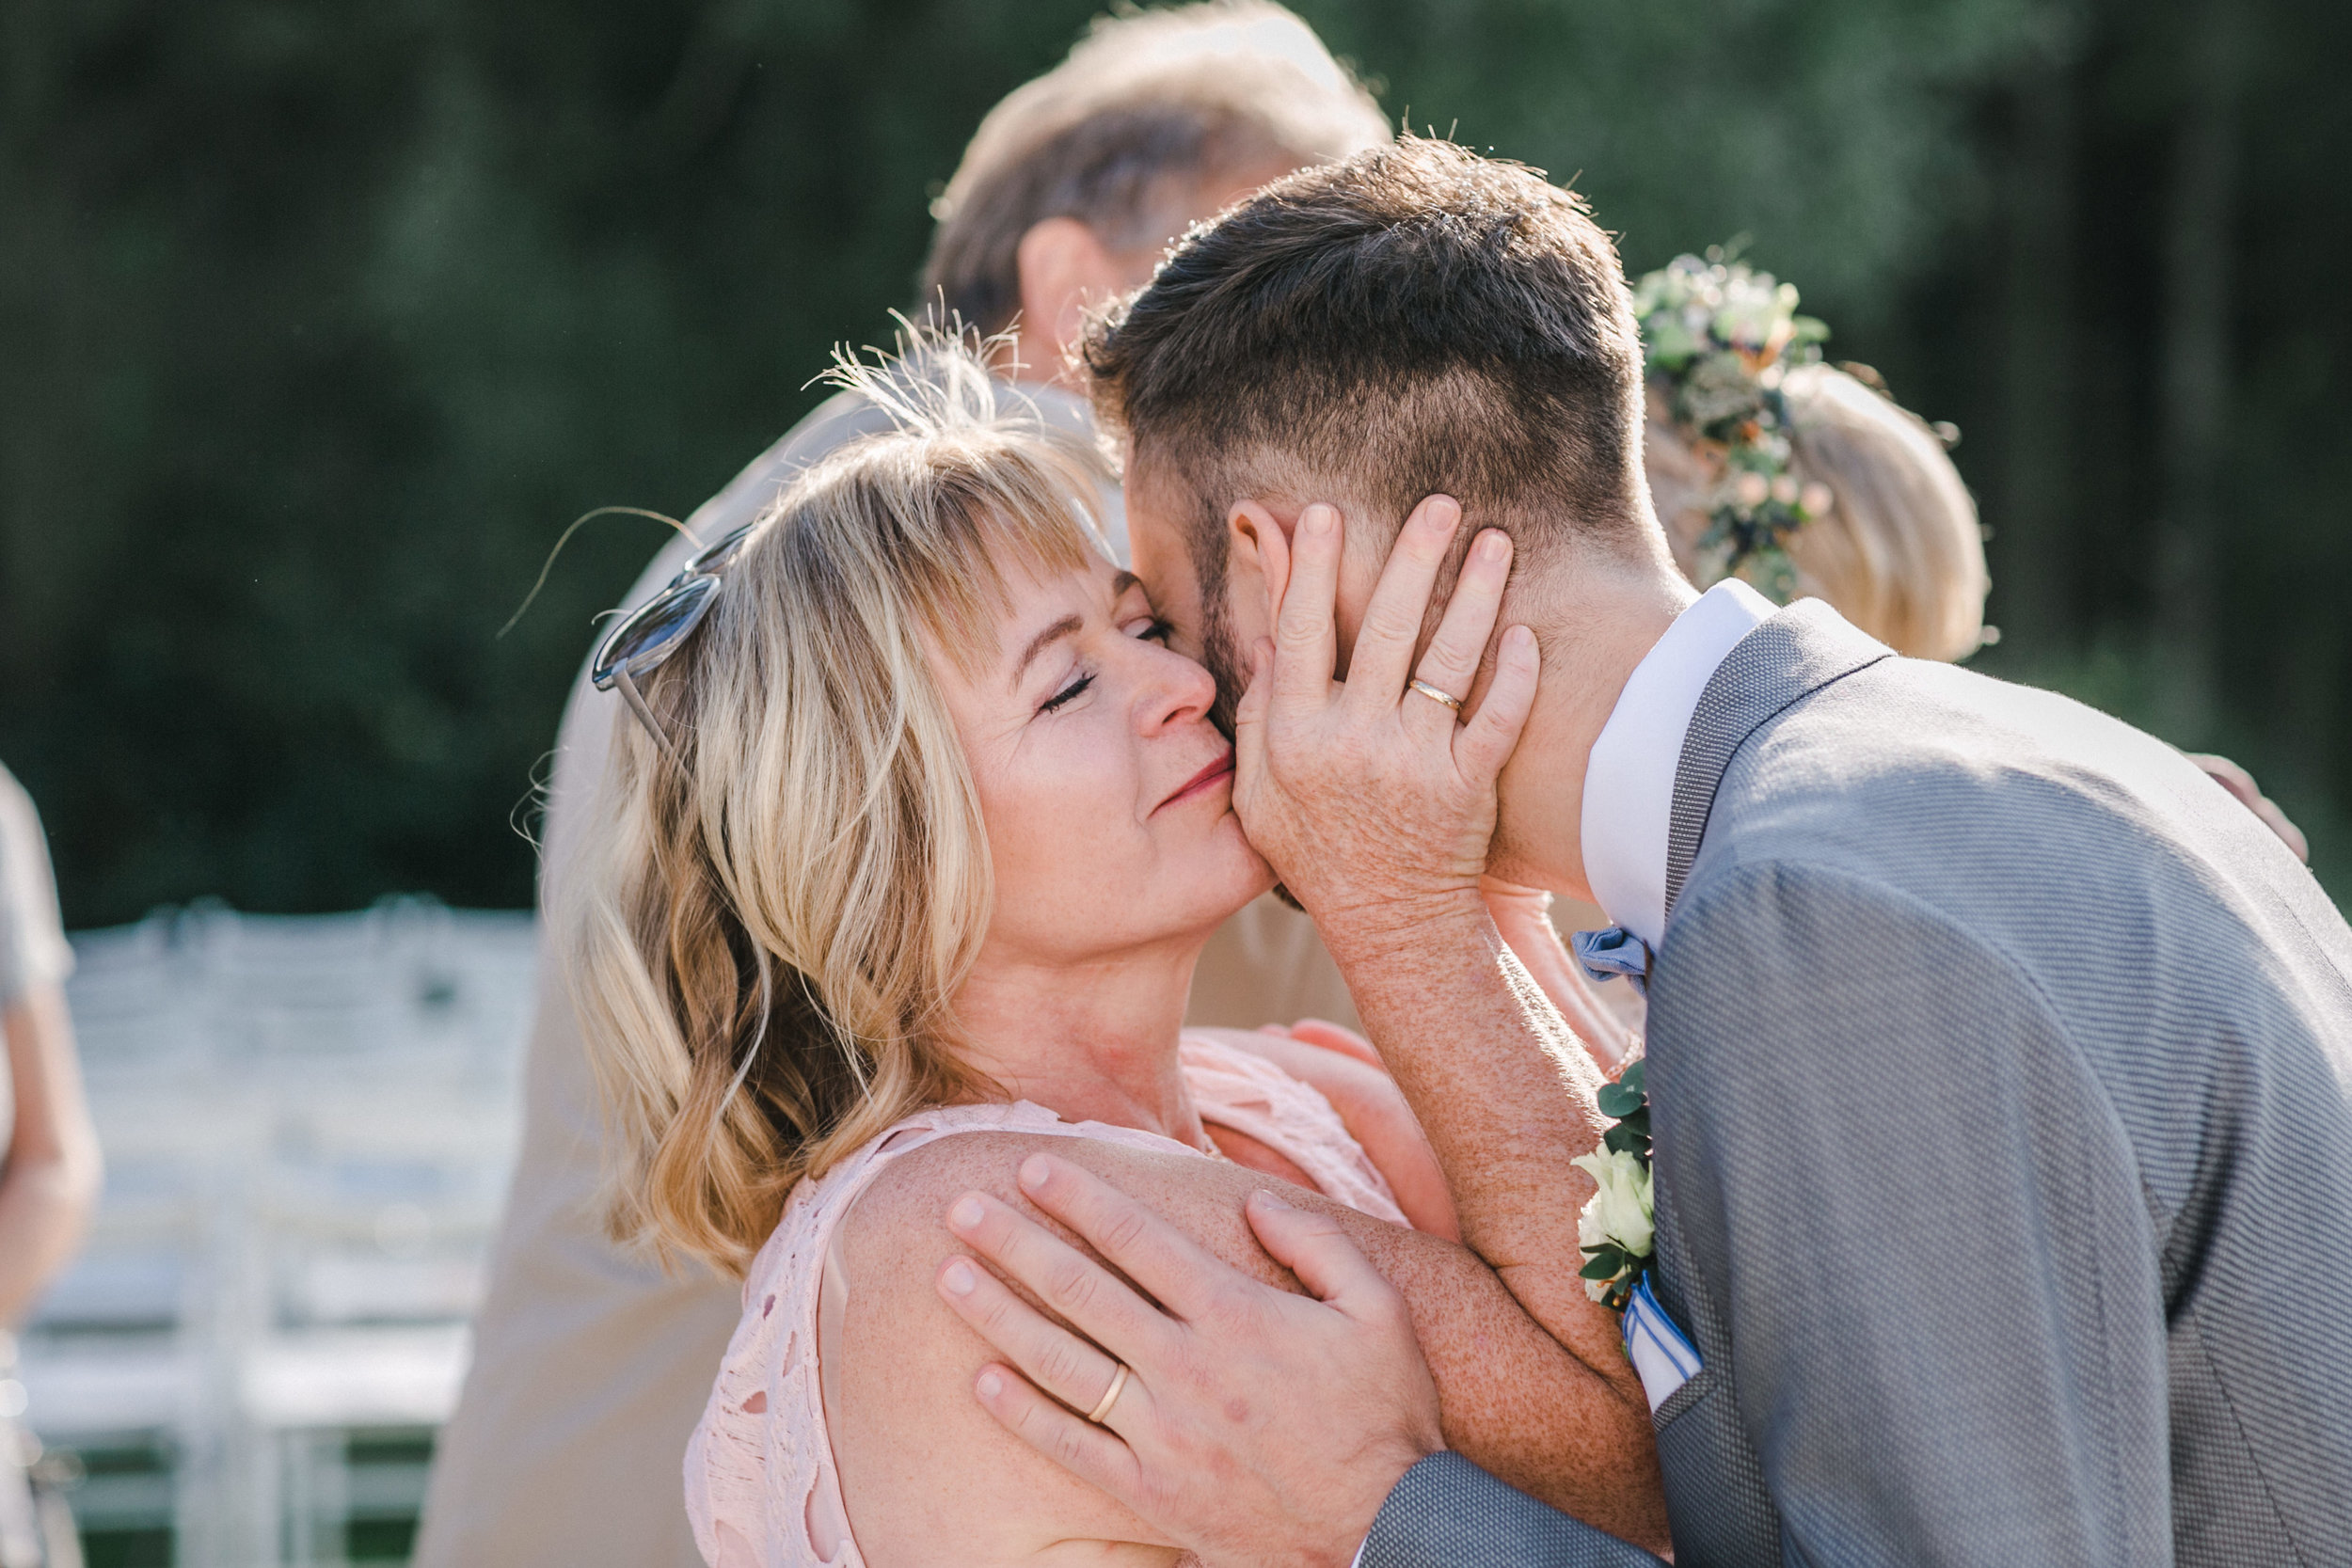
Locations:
(589, 1365)
(760, 1483)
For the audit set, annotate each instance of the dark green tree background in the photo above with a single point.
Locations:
(321, 319)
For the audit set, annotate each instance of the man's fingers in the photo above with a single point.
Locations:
(1482, 746)
(1316, 1249)
(1089, 1451)
(1456, 652)
(1306, 644)
(1057, 1360)
(1383, 652)
(1061, 1276)
(1145, 1247)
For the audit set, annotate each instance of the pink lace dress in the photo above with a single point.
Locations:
(760, 1484)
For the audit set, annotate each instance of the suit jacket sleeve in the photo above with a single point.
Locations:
(1902, 1192)
(1447, 1512)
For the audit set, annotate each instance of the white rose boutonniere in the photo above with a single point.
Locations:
(1618, 1224)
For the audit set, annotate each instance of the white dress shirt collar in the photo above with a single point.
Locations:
(1630, 782)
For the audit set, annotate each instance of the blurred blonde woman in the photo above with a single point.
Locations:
(904, 868)
(1768, 463)
(1899, 550)
(1812, 482)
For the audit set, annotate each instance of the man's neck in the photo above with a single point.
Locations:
(1594, 626)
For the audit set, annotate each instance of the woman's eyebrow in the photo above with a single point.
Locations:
(1067, 627)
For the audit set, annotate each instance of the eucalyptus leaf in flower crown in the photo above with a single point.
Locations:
(1719, 338)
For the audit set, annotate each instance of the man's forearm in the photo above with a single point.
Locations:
(1505, 1092)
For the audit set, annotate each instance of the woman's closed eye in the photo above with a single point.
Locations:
(1070, 694)
(1149, 629)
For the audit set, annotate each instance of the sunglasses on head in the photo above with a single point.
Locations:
(649, 634)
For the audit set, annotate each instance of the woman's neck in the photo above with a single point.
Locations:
(1092, 1041)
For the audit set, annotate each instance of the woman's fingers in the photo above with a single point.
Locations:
(1482, 746)
(1082, 1290)
(1073, 1371)
(1306, 639)
(1451, 663)
(1146, 1248)
(1384, 647)
(1250, 726)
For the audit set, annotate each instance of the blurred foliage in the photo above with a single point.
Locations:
(322, 319)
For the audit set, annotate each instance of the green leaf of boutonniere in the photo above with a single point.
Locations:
(1608, 1262)
(1619, 1100)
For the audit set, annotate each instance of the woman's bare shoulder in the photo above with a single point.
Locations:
(903, 1214)
(927, 1474)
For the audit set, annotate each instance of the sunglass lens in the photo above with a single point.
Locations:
(647, 638)
(719, 555)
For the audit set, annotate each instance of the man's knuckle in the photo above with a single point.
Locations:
(1123, 1228)
(1074, 1285)
(1058, 1364)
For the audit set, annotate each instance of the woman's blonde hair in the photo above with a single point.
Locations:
(776, 907)
(1899, 553)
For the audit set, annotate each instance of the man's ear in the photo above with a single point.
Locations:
(1063, 268)
(1258, 565)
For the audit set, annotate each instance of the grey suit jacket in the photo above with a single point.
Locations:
(2001, 1078)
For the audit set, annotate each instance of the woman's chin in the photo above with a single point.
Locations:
(1260, 876)
(1226, 876)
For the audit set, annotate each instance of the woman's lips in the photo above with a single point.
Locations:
(1201, 782)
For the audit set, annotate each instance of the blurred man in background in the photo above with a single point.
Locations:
(49, 1161)
(590, 1366)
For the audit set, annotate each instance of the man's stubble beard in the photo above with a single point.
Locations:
(1221, 655)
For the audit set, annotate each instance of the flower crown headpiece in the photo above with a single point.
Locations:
(1720, 337)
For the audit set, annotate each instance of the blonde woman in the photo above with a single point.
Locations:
(902, 874)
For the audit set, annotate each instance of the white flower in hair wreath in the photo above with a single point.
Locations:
(1618, 1224)
(1718, 338)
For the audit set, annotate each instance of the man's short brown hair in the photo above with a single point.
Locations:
(1414, 320)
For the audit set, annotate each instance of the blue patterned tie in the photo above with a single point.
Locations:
(1612, 951)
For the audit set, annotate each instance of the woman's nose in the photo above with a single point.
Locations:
(1178, 690)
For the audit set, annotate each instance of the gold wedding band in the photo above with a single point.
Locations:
(1110, 1396)
(1417, 684)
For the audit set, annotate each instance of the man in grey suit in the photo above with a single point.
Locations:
(1999, 1065)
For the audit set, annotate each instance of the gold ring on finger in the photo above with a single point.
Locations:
(1110, 1396)
(1417, 684)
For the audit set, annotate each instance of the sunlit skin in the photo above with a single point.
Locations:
(1105, 793)
(1098, 776)
(1594, 620)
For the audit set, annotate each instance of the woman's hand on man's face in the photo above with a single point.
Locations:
(1374, 804)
